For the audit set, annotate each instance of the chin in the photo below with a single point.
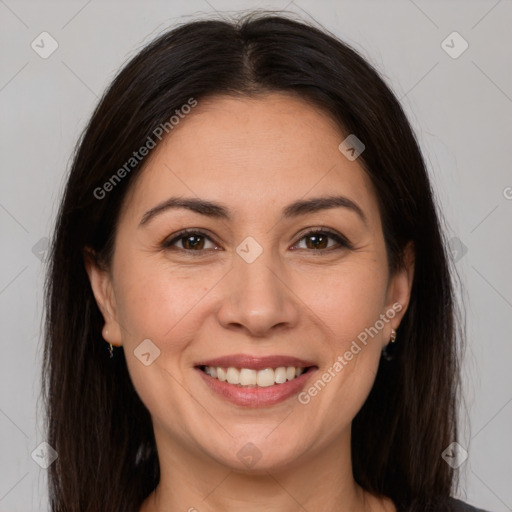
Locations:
(258, 454)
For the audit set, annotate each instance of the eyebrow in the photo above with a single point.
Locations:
(221, 211)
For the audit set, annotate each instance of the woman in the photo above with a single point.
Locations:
(249, 226)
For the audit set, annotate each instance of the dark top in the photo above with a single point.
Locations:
(443, 505)
(464, 507)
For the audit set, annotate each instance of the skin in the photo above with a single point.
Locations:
(255, 155)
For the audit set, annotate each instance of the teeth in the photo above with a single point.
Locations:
(265, 378)
(247, 377)
(233, 376)
(250, 377)
(221, 374)
(280, 374)
(290, 372)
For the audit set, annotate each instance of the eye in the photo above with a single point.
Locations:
(195, 241)
(191, 241)
(319, 240)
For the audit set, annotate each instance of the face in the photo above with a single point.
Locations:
(255, 286)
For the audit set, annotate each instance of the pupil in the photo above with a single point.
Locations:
(318, 238)
(191, 237)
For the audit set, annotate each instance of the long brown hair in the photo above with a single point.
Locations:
(102, 432)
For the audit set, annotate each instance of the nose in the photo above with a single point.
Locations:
(257, 299)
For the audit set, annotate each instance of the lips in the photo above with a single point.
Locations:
(256, 362)
(260, 393)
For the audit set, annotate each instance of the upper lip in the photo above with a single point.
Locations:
(256, 362)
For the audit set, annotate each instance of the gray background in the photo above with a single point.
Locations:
(461, 109)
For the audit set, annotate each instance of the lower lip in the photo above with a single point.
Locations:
(256, 396)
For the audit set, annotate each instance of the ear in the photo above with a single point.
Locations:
(399, 288)
(102, 288)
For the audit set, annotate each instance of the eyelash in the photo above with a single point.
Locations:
(340, 239)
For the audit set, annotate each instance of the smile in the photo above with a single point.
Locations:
(255, 381)
(248, 377)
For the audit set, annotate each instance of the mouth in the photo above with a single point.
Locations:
(251, 378)
(255, 381)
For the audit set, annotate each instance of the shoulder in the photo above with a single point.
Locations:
(460, 506)
(443, 504)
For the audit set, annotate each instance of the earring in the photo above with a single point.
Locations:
(110, 348)
(389, 351)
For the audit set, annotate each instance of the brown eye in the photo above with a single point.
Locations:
(191, 241)
(318, 240)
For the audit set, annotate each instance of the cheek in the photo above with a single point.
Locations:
(156, 301)
(348, 299)
(349, 304)
(154, 304)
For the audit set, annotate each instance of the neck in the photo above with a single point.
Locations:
(191, 481)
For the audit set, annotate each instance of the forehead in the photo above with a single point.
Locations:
(255, 154)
